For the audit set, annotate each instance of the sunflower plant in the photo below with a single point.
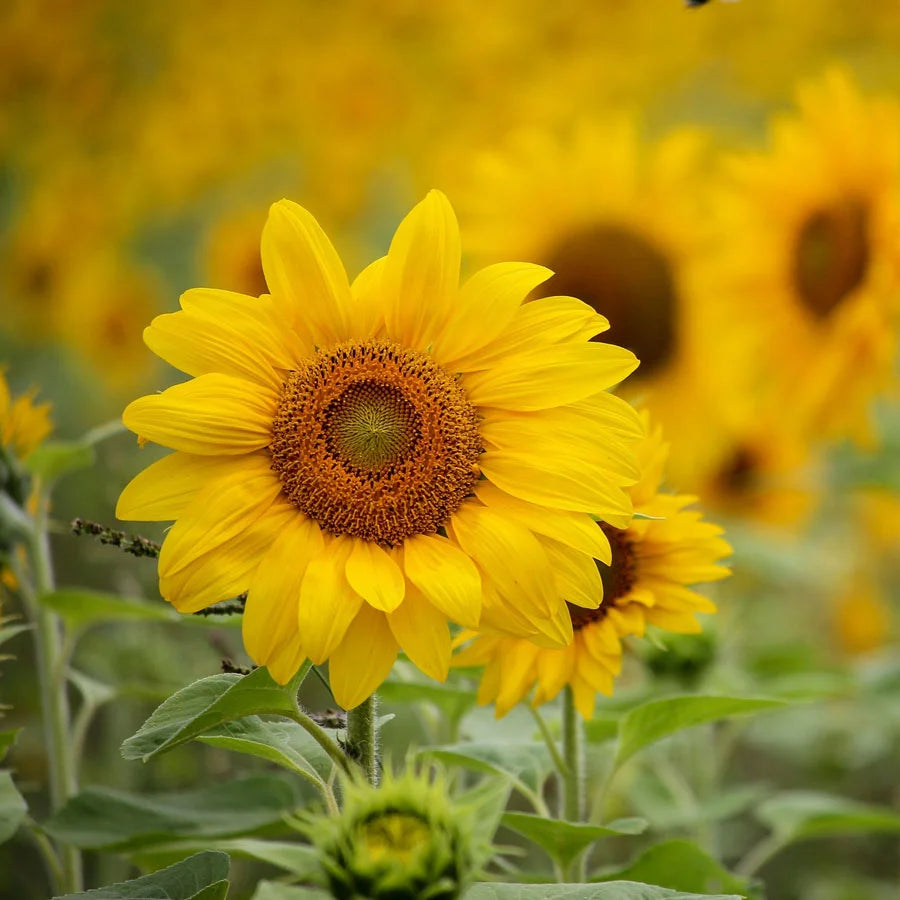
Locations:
(450, 589)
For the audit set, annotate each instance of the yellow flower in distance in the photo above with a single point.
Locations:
(23, 423)
(809, 260)
(654, 563)
(371, 460)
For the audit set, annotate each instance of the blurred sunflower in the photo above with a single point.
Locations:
(809, 263)
(369, 461)
(654, 562)
(614, 216)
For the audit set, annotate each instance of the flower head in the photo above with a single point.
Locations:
(401, 840)
(372, 460)
(655, 560)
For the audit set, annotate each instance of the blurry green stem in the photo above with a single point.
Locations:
(363, 739)
(555, 755)
(51, 666)
(574, 778)
(759, 855)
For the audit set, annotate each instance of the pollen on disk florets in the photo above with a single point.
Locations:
(618, 578)
(375, 441)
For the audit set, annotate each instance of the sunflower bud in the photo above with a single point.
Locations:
(402, 840)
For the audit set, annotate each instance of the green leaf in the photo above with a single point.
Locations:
(206, 704)
(82, 607)
(528, 762)
(107, 819)
(7, 632)
(54, 459)
(612, 890)
(483, 806)
(562, 840)
(299, 860)
(681, 865)
(283, 743)
(657, 719)
(601, 729)
(12, 807)
(7, 739)
(796, 815)
(273, 890)
(94, 692)
(200, 877)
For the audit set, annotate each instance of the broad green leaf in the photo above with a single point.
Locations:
(657, 805)
(103, 818)
(681, 865)
(200, 877)
(283, 743)
(601, 729)
(12, 807)
(83, 607)
(528, 762)
(7, 739)
(273, 890)
(657, 719)
(300, 860)
(56, 458)
(8, 632)
(796, 815)
(612, 890)
(204, 705)
(562, 840)
(93, 691)
(483, 806)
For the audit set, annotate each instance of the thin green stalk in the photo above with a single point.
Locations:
(363, 739)
(553, 749)
(51, 666)
(321, 738)
(574, 779)
(48, 854)
(759, 855)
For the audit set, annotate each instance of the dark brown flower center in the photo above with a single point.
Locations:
(831, 255)
(625, 278)
(619, 577)
(375, 441)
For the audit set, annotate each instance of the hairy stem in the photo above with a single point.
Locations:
(362, 738)
(574, 779)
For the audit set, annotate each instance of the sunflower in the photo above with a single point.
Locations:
(809, 263)
(23, 424)
(368, 461)
(614, 215)
(654, 562)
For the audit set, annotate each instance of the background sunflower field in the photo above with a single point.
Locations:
(722, 182)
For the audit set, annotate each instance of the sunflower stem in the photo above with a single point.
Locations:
(52, 666)
(362, 738)
(574, 777)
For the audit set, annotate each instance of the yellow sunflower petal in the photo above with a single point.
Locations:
(225, 572)
(375, 576)
(368, 317)
(273, 599)
(222, 510)
(445, 575)
(421, 276)
(512, 557)
(554, 669)
(517, 677)
(422, 632)
(576, 574)
(327, 602)
(557, 483)
(304, 271)
(550, 376)
(286, 660)
(165, 489)
(585, 698)
(364, 658)
(574, 529)
(211, 415)
(490, 298)
(246, 342)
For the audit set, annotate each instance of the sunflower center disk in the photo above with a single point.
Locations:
(375, 441)
(625, 278)
(618, 578)
(831, 255)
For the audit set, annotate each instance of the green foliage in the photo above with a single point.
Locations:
(617, 890)
(13, 807)
(652, 721)
(7, 739)
(53, 459)
(562, 840)
(203, 876)
(205, 704)
(525, 763)
(82, 608)
(99, 818)
(795, 815)
(681, 865)
(274, 890)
